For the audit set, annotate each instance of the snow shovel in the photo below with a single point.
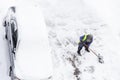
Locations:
(100, 58)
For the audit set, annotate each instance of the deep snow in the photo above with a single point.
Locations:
(66, 21)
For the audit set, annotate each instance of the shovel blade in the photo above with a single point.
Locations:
(100, 59)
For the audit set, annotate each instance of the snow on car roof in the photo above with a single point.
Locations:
(33, 57)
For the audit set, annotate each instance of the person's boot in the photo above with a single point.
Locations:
(79, 52)
(87, 49)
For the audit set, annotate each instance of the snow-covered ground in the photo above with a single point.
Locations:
(66, 20)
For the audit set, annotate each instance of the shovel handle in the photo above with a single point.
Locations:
(99, 57)
(90, 49)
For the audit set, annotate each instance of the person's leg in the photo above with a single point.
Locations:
(87, 47)
(79, 48)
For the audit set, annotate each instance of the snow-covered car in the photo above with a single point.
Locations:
(11, 29)
(33, 54)
(11, 35)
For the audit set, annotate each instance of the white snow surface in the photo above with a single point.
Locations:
(66, 20)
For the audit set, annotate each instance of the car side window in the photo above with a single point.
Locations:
(14, 33)
(5, 24)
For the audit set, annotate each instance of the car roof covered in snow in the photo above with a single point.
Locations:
(33, 57)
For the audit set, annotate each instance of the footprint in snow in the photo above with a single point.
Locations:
(50, 23)
(89, 69)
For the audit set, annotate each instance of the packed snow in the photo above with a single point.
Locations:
(66, 21)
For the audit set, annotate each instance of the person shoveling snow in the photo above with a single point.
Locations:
(85, 41)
